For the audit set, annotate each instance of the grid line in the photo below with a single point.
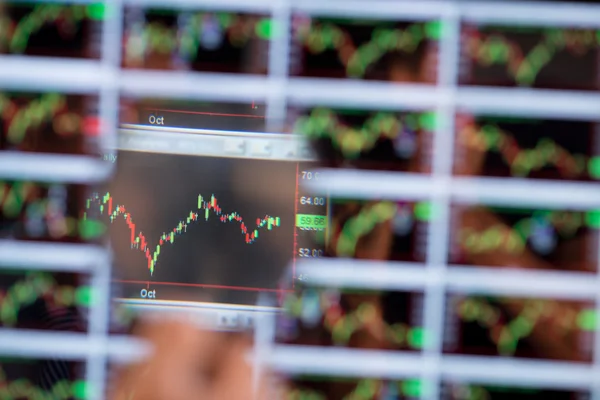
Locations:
(439, 229)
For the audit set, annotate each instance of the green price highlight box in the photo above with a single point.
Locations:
(310, 221)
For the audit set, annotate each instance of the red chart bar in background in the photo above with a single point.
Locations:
(92, 126)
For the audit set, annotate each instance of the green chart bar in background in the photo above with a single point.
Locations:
(310, 221)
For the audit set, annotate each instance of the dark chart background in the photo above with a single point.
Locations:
(582, 64)
(159, 190)
(326, 64)
(478, 325)
(401, 238)
(66, 36)
(317, 316)
(40, 376)
(26, 297)
(70, 124)
(528, 136)
(217, 51)
(45, 212)
(548, 242)
(340, 388)
(408, 149)
(461, 391)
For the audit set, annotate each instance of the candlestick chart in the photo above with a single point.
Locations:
(319, 309)
(538, 149)
(47, 122)
(531, 57)
(206, 207)
(462, 391)
(510, 327)
(362, 224)
(354, 48)
(34, 210)
(359, 133)
(556, 239)
(198, 40)
(26, 289)
(24, 388)
(322, 388)
(396, 228)
(216, 227)
(513, 239)
(67, 30)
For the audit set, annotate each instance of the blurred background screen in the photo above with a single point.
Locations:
(394, 199)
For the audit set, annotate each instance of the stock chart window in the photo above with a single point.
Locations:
(339, 388)
(532, 57)
(42, 211)
(383, 140)
(378, 230)
(550, 329)
(501, 146)
(246, 117)
(43, 300)
(352, 318)
(466, 391)
(213, 229)
(49, 123)
(53, 30)
(171, 39)
(537, 239)
(364, 49)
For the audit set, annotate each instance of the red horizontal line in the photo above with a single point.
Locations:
(208, 113)
(250, 289)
